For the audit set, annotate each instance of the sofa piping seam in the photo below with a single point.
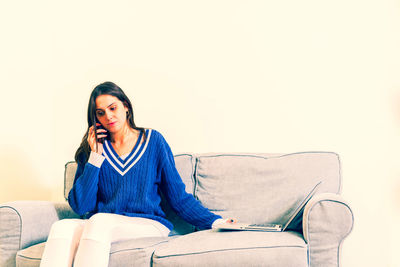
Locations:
(196, 180)
(29, 258)
(130, 249)
(230, 249)
(192, 162)
(261, 156)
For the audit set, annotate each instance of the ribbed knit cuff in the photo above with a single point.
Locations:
(96, 159)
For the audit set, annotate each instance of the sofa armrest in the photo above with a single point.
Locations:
(327, 221)
(25, 223)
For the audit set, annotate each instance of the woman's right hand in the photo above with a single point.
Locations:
(96, 146)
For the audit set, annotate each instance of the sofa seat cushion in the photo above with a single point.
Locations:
(133, 252)
(231, 248)
(31, 256)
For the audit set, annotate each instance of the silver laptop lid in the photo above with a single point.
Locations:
(301, 206)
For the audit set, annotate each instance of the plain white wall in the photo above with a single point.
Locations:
(213, 76)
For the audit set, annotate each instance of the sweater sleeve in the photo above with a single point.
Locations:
(83, 196)
(183, 203)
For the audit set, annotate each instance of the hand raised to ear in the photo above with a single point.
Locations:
(96, 146)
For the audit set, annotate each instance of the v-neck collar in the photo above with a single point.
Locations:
(123, 161)
(124, 165)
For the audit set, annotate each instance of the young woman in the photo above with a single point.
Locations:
(121, 171)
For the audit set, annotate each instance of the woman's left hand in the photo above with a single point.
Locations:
(222, 221)
(231, 220)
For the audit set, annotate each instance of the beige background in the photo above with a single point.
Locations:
(213, 76)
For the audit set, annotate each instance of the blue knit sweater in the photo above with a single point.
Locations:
(132, 186)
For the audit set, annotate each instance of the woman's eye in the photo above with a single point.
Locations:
(100, 114)
(113, 108)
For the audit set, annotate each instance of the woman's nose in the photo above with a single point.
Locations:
(108, 115)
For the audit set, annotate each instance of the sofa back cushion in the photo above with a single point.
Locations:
(185, 166)
(263, 188)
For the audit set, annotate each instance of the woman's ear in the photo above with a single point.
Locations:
(125, 106)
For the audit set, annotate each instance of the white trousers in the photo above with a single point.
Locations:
(87, 242)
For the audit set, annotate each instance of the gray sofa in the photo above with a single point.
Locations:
(254, 188)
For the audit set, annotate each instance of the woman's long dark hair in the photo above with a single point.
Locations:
(106, 88)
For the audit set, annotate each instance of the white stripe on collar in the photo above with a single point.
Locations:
(129, 166)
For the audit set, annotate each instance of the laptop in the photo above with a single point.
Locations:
(268, 227)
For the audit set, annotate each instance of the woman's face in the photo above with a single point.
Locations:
(111, 112)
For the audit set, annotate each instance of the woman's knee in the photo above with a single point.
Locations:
(101, 218)
(66, 228)
(98, 227)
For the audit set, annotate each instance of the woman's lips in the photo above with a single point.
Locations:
(111, 124)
